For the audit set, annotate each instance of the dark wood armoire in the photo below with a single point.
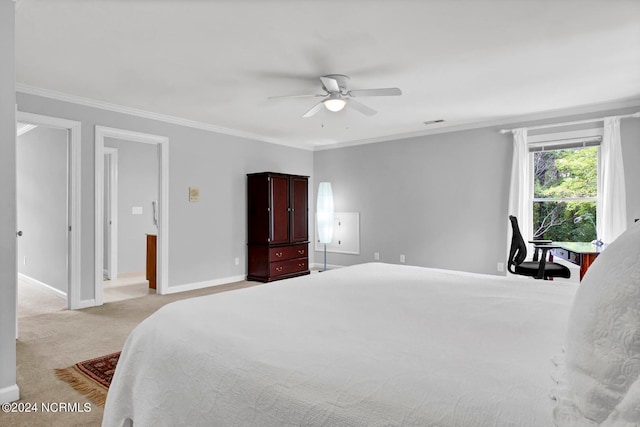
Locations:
(278, 226)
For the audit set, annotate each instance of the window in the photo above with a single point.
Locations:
(565, 179)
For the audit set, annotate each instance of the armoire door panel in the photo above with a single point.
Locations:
(280, 209)
(300, 208)
(258, 206)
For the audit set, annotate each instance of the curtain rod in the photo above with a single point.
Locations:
(578, 122)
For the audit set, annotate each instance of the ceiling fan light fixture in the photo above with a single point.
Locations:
(334, 103)
(337, 94)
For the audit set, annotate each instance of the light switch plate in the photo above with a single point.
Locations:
(194, 194)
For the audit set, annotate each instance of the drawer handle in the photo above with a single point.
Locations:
(279, 254)
(301, 264)
(278, 268)
(301, 251)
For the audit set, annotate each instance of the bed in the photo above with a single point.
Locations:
(368, 345)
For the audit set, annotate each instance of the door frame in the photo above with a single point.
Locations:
(102, 132)
(111, 201)
(73, 199)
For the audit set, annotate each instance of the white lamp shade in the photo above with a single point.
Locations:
(324, 212)
(334, 104)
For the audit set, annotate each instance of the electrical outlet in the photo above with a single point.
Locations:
(237, 261)
(376, 256)
(402, 259)
(501, 266)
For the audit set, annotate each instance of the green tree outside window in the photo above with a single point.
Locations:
(565, 194)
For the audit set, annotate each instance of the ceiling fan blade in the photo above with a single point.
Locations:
(313, 110)
(390, 91)
(361, 108)
(295, 96)
(330, 84)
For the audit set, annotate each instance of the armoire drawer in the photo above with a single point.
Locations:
(278, 268)
(288, 252)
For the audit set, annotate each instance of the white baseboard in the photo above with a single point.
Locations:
(180, 288)
(86, 303)
(42, 286)
(320, 266)
(9, 394)
(205, 284)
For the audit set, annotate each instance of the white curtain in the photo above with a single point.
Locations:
(612, 206)
(521, 189)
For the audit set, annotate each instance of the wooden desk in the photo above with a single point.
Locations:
(579, 253)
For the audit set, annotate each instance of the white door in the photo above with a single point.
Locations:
(43, 207)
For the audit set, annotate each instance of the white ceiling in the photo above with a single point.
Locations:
(217, 62)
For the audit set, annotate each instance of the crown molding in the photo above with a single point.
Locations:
(503, 121)
(87, 102)
(437, 129)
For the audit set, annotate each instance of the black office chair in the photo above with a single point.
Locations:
(541, 269)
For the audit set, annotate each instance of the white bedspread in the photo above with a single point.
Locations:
(368, 345)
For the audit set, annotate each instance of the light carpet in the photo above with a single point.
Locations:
(62, 338)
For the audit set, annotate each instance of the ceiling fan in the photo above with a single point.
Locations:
(337, 95)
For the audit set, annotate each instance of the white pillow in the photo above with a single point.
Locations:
(603, 339)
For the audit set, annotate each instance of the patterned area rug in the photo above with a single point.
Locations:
(91, 377)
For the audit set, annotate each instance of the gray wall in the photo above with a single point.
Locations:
(204, 237)
(8, 224)
(207, 235)
(441, 200)
(42, 206)
(137, 187)
(434, 199)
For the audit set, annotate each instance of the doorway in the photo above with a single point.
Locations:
(53, 259)
(109, 237)
(130, 194)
